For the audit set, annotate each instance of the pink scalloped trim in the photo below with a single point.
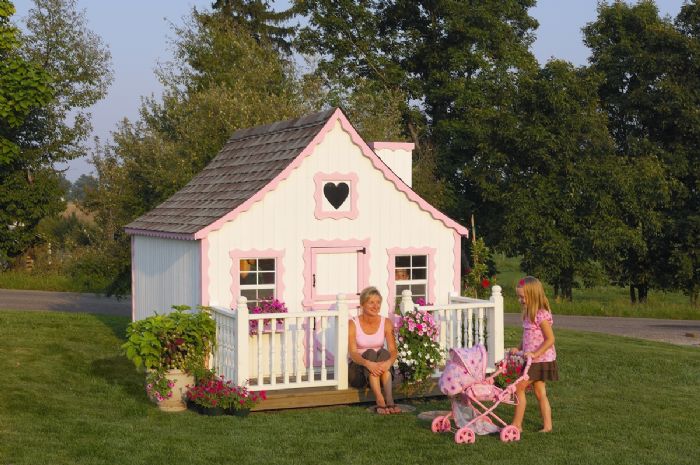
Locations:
(237, 254)
(319, 179)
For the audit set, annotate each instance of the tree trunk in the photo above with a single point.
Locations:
(643, 291)
(633, 295)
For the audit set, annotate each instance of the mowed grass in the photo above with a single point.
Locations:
(70, 397)
(599, 300)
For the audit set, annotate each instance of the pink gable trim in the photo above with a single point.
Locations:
(204, 271)
(376, 161)
(408, 146)
(319, 179)
(237, 254)
(160, 234)
(363, 273)
(391, 282)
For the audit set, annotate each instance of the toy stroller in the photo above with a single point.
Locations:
(464, 380)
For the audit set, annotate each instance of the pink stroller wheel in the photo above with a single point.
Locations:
(440, 424)
(510, 433)
(465, 435)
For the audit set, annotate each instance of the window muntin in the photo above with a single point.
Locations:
(411, 272)
(257, 279)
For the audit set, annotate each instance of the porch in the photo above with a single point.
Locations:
(300, 357)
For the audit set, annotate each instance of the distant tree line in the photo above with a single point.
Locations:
(589, 173)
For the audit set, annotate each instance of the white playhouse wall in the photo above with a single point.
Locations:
(165, 272)
(285, 217)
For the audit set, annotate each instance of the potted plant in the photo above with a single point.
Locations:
(418, 346)
(218, 396)
(270, 305)
(171, 348)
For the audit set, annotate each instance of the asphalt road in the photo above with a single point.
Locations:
(680, 332)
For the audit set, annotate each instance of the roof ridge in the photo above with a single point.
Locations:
(284, 126)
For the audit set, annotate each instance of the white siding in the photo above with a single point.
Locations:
(285, 217)
(166, 272)
(400, 161)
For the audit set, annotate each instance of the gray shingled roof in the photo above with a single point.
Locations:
(250, 159)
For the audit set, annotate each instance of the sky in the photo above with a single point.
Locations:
(138, 34)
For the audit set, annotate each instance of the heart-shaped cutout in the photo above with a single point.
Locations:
(336, 193)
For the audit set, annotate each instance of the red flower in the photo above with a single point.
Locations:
(485, 283)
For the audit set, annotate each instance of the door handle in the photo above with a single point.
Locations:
(313, 281)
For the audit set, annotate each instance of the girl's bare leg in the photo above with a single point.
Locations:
(520, 406)
(545, 409)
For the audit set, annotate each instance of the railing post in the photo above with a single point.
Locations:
(495, 328)
(341, 357)
(450, 295)
(406, 301)
(242, 343)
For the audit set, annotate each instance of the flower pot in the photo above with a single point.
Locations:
(211, 411)
(238, 412)
(177, 402)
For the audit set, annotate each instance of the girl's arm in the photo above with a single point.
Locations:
(548, 339)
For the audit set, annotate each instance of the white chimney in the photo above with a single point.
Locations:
(398, 156)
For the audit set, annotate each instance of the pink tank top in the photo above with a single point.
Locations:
(368, 341)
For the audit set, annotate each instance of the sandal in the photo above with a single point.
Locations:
(394, 409)
(382, 410)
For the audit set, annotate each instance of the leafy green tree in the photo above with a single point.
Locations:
(222, 78)
(24, 90)
(650, 93)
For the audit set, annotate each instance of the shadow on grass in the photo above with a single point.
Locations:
(117, 324)
(119, 371)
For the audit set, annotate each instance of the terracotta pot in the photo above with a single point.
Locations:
(178, 401)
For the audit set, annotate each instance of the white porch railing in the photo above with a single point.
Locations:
(465, 321)
(309, 348)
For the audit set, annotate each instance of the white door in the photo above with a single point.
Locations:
(337, 270)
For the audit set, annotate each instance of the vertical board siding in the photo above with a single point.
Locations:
(285, 217)
(166, 273)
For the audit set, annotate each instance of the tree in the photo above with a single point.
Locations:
(58, 68)
(223, 78)
(454, 64)
(650, 93)
(24, 90)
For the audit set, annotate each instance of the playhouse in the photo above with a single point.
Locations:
(299, 210)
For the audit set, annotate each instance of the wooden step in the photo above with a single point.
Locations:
(322, 396)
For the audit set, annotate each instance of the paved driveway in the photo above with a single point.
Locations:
(681, 332)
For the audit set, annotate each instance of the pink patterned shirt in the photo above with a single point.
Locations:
(533, 337)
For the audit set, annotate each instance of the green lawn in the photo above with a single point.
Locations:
(70, 397)
(600, 300)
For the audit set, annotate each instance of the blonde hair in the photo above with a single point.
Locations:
(367, 293)
(535, 298)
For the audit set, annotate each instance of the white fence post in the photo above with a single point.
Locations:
(406, 301)
(341, 353)
(495, 328)
(242, 369)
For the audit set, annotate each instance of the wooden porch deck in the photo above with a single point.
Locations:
(321, 397)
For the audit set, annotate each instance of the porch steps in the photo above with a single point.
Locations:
(322, 396)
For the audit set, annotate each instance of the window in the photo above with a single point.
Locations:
(257, 279)
(411, 272)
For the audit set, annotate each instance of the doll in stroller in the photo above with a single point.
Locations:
(464, 380)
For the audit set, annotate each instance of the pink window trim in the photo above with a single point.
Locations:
(350, 178)
(236, 256)
(408, 146)
(391, 282)
(204, 271)
(338, 245)
(338, 116)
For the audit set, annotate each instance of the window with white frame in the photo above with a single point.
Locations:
(257, 279)
(411, 272)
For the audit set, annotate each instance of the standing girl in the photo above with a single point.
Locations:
(538, 343)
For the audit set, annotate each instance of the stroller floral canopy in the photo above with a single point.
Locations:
(465, 367)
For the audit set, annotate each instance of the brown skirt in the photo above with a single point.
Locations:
(544, 371)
